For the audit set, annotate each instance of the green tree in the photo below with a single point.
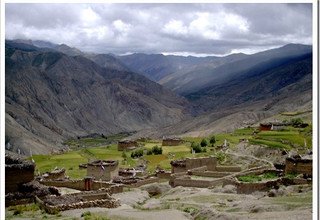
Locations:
(157, 150)
(196, 147)
(204, 143)
(212, 140)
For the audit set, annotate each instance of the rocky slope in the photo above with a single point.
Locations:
(51, 96)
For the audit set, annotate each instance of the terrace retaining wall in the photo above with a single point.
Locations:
(80, 185)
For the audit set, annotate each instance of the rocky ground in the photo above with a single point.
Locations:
(292, 202)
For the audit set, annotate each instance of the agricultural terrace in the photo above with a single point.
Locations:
(289, 138)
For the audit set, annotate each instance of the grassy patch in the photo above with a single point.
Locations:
(257, 178)
(19, 209)
(293, 201)
(290, 138)
(191, 210)
(70, 161)
(273, 144)
(91, 216)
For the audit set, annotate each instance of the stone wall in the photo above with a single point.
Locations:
(209, 162)
(80, 185)
(213, 174)
(248, 188)
(298, 166)
(190, 183)
(72, 184)
(228, 168)
(55, 174)
(53, 205)
(144, 182)
(17, 172)
(164, 175)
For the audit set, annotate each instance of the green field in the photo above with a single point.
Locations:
(287, 139)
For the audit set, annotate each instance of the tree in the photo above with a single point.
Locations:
(196, 147)
(212, 140)
(204, 143)
(157, 150)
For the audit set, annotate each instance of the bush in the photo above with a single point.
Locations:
(156, 150)
(296, 122)
(220, 156)
(137, 153)
(212, 140)
(197, 148)
(204, 143)
(149, 152)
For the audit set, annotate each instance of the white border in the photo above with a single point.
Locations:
(315, 99)
(2, 115)
(314, 84)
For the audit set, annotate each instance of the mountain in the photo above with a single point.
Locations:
(108, 61)
(158, 66)
(51, 96)
(260, 83)
(189, 82)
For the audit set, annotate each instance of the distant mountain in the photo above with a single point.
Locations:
(260, 83)
(51, 96)
(188, 82)
(107, 61)
(158, 66)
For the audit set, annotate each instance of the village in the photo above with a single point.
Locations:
(232, 164)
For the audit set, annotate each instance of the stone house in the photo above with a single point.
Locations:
(127, 145)
(265, 127)
(17, 172)
(178, 166)
(298, 166)
(172, 141)
(103, 169)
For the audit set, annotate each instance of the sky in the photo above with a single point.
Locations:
(179, 29)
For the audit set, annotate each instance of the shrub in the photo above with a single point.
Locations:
(196, 147)
(191, 210)
(204, 143)
(220, 156)
(156, 150)
(212, 140)
(296, 122)
(137, 153)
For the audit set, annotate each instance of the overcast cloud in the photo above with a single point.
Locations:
(195, 29)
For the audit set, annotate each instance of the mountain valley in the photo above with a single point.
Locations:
(55, 92)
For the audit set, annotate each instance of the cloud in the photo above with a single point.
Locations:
(162, 28)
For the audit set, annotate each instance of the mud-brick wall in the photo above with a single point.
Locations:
(248, 188)
(170, 142)
(98, 173)
(165, 175)
(298, 166)
(72, 184)
(56, 175)
(191, 183)
(17, 174)
(100, 184)
(213, 174)
(210, 162)
(178, 169)
(228, 168)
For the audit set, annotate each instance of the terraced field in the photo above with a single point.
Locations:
(288, 139)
